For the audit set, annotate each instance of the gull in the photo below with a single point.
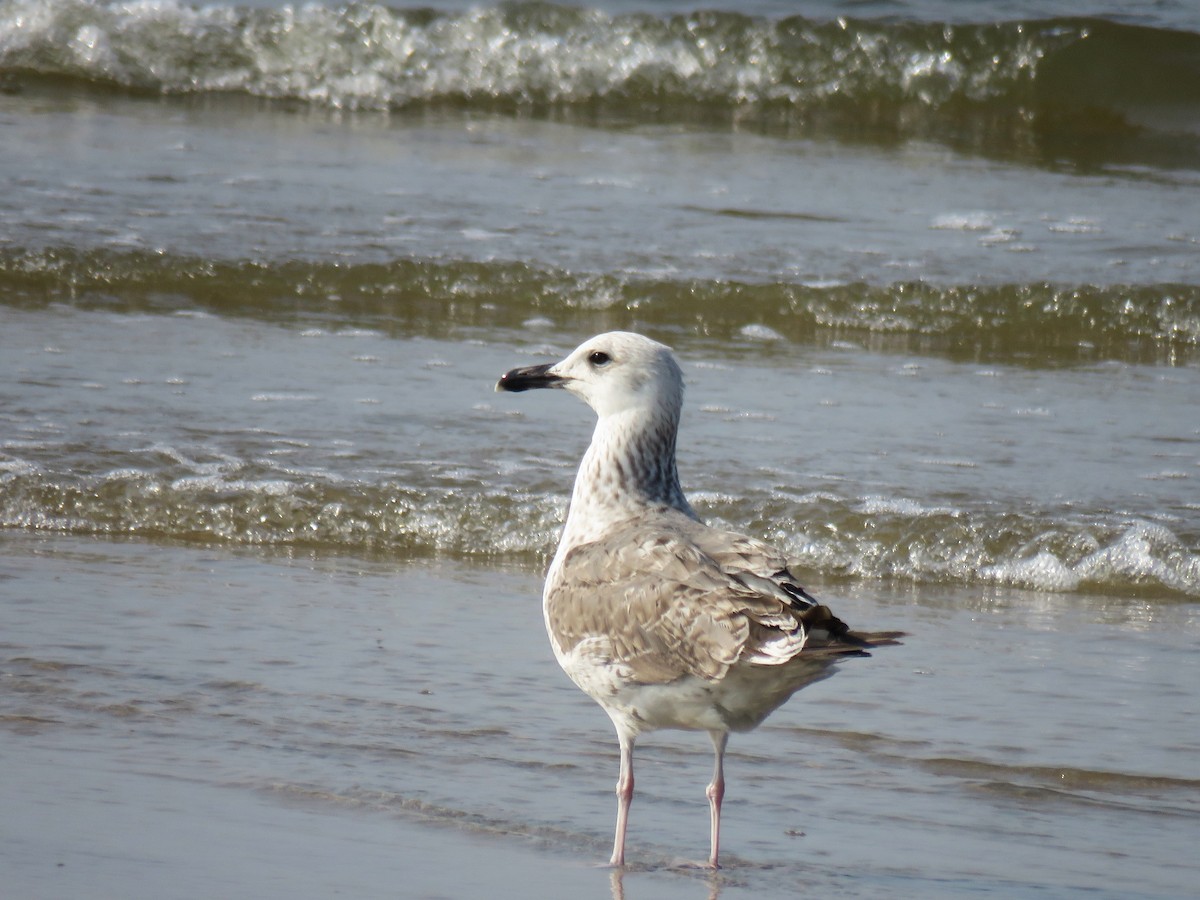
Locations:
(662, 620)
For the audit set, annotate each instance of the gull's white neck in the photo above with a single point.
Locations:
(629, 468)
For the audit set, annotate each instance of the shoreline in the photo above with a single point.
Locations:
(187, 722)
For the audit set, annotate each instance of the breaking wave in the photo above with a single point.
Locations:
(1058, 324)
(240, 503)
(1057, 86)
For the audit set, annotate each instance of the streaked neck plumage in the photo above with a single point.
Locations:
(628, 469)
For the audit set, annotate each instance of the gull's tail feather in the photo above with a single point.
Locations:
(830, 636)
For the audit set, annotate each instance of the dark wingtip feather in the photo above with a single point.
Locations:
(821, 618)
(800, 597)
(818, 617)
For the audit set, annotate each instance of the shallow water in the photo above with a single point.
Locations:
(227, 179)
(271, 547)
(1016, 743)
(857, 463)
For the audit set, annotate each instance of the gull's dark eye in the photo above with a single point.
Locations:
(599, 358)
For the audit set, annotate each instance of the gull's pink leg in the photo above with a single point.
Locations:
(716, 793)
(624, 798)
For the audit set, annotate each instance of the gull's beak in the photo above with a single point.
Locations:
(528, 377)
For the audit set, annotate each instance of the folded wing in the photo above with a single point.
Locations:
(671, 597)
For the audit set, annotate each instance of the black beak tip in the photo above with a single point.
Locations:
(510, 385)
(526, 378)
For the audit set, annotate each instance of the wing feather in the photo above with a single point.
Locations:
(668, 597)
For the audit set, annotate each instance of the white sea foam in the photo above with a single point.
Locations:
(963, 221)
(1043, 571)
(760, 333)
(1145, 553)
(903, 506)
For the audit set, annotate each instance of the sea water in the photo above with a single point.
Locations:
(932, 274)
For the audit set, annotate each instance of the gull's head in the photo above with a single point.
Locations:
(612, 373)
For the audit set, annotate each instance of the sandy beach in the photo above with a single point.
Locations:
(184, 722)
(81, 825)
(110, 806)
(272, 548)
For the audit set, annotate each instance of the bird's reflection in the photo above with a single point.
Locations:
(616, 879)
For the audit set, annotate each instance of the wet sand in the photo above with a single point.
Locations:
(110, 796)
(79, 824)
(186, 722)
(270, 547)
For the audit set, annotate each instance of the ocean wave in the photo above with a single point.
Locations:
(1052, 82)
(1033, 324)
(837, 536)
